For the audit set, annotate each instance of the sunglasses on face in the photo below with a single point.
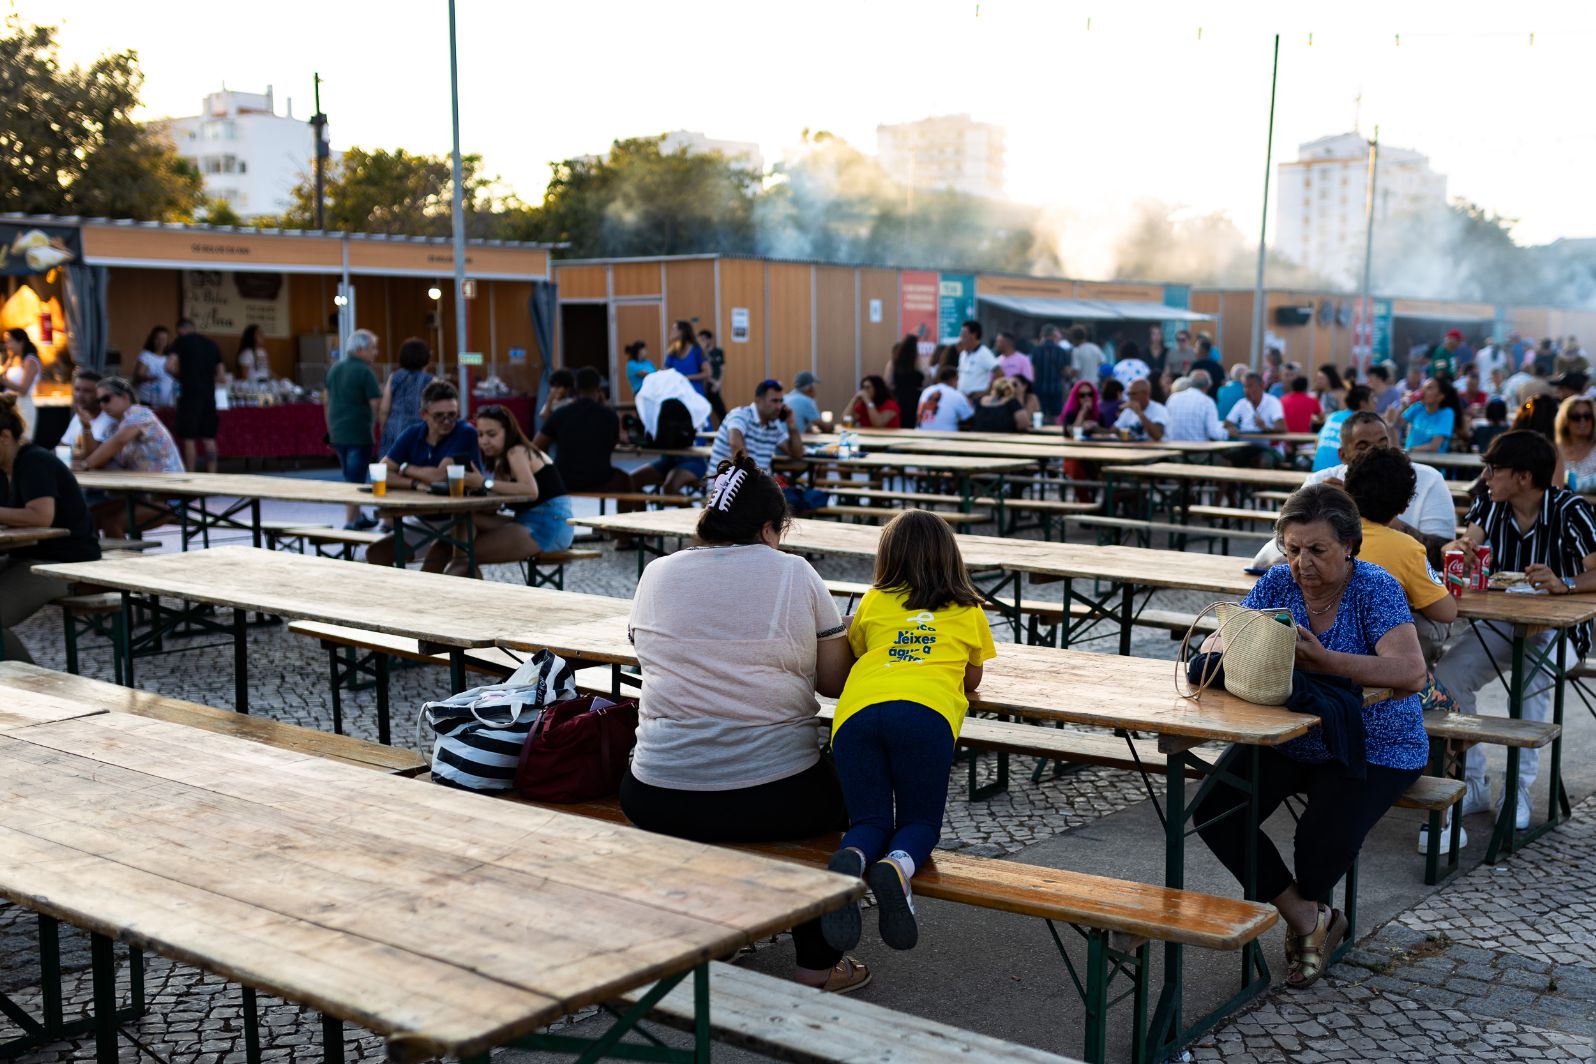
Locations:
(1585, 416)
(445, 415)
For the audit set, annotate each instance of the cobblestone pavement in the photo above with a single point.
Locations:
(1500, 965)
(1363, 1006)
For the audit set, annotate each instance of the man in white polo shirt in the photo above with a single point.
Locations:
(1256, 411)
(976, 361)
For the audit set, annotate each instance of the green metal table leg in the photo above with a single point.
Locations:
(1502, 836)
(1094, 1048)
(1126, 616)
(251, 1027)
(332, 1039)
(457, 673)
(103, 961)
(701, 1047)
(50, 972)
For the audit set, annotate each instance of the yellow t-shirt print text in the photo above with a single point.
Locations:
(914, 641)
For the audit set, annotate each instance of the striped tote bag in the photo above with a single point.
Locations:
(478, 734)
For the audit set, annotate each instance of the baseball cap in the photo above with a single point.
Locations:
(1454, 334)
(1573, 380)
(805, 379)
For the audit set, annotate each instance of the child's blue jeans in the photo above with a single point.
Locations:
(894, 755)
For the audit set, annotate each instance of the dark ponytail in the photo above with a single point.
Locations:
(755, 500)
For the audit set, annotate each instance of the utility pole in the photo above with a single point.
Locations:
(318, 123)
(460, 309)
(1365, 350)
(1263, 220)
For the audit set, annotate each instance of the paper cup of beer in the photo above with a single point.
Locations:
(378, 472)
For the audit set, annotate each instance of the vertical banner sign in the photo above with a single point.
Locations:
(1371, 332)
(955, 305)
(917, 304)
(1382, 330)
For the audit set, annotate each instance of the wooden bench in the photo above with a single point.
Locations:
(356, 656)
(129, 544)
(343, 540)
(1580, 676)
(1233, 513)
(1145, 530)
(548, 568)
(642, 498)
(1118, 918)
(952, 517)
(790, 1022)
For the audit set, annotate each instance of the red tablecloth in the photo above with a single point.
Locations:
(287, 430)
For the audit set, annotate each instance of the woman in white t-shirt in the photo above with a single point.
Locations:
(154, 384)
(734, 637)
(254, 364)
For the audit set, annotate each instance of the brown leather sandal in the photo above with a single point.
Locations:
(1307, 955)
(846, 976)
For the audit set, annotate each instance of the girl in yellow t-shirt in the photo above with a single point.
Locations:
(920, 641)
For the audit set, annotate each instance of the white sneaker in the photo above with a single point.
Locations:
(1446, 838)
(1521, 816)
(1477, 796)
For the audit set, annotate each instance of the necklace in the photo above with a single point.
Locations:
(1334, 601)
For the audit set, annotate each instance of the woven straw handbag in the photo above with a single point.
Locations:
(1258, 657)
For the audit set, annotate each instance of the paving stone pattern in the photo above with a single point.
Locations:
(1499, 965)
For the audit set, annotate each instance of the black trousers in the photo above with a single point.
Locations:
(1340, 813)
(796, 807)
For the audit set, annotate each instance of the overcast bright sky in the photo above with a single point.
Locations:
(1104, 103)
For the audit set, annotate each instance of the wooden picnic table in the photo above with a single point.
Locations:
(447, 611)
(191, 492)
(1464, 460)
(1185, 475)
(1046, 436)
(1037, 450)
(16, 538)
(309, 880)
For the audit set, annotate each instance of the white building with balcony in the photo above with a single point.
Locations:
(945, 152)
(1320, 222)
(248, 154)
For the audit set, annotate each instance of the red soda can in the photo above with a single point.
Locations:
(1482, 568)
(1456, 578)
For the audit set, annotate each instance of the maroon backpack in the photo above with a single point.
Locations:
(578, 751)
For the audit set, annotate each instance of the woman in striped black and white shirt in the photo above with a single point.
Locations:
(1548, 533)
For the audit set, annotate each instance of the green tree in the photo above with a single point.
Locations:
(642, 201)
(68, 142)
(219, 212)
(401, 193)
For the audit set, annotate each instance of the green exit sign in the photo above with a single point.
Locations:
(471, 358)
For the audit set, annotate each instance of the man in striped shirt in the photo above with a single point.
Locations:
(759, 428)
(1548, 534)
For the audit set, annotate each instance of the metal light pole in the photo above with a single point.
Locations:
(459, 225)
(1263, 220)
(1366, 299)
(318, 124)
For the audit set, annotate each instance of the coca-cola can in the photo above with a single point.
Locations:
(1456, 577)
(1482, 568)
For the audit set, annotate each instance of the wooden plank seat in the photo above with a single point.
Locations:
(952, 517)
(646, 498)
(19, 680)
(1233, 513)
(355, 655)
(129, 544)
(1118, 917)
(1145, 530)
(829, 483)
(547, 569)
(342, 540)
(785, 1020)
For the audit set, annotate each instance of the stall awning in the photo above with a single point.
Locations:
(1091, 309)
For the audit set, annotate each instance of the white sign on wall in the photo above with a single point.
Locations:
(875, 312)
(226, 302)
(739, 325)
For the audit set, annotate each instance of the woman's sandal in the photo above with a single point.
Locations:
(846, 976)
(1307, 955)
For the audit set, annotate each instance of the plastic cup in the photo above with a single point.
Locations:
(378, 472)
(63, 451)
(825, 418)
(457, 482)
(1036, 419)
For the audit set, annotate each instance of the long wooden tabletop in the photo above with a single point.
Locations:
(448, 610)
(287, 489)
(13, 538)
(804, 535)
(1258, 478)
(932, 463)
(446, 922)
(1040, 451)
(1042, 437)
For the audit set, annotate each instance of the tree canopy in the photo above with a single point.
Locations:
(400, 193)
(68, 142)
